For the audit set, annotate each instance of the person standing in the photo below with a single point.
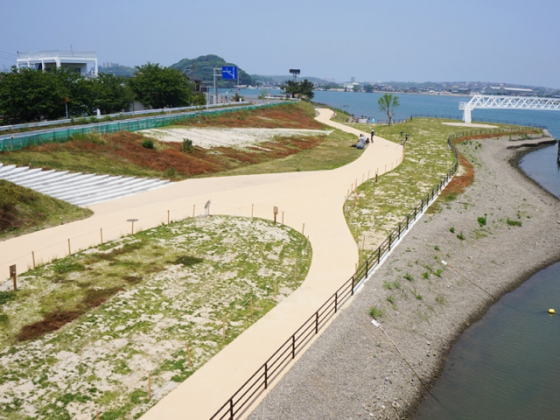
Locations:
(372, 134)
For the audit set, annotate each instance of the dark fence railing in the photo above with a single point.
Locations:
(271, 369)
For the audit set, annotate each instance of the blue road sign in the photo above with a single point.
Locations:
(229, 73)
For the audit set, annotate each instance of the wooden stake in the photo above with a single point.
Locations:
(252, 209)
(376, 176)
(33, 256)
(13, 275)
(149, 385)
(303, 229)
(193, 206)
(69, 252)
(189, 355)
(167, 216)
(97, 417)
(101, 234)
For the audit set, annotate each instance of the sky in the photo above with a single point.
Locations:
(501, 41)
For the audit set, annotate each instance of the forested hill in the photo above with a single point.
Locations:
(202, 66)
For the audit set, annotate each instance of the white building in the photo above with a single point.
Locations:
(44, 60)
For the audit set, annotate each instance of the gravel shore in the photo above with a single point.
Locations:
(353, 370)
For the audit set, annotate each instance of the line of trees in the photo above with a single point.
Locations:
(28, 95)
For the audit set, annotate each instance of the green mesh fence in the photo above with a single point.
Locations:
(62, 135)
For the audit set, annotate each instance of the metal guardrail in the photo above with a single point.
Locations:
(455, 117)
(287, 352)
(118, 115)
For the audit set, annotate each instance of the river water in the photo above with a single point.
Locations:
(507, 365)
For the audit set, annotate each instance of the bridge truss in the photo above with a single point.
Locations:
(507, 102)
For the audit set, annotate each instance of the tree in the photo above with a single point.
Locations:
(111, 94)
(368, 88)
(160, 87)
(31, 95)
(303, 90)
(388, 103)
(356, 88)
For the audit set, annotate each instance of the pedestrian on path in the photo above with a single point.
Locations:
(372, 134)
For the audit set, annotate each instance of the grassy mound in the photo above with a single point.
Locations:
(23, 210)
(132, 154)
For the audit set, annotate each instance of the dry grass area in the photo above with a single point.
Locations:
(83, 333)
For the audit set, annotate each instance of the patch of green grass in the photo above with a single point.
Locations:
(392, 285)
(461, 236)
(440, 299)
(517, 223)
(452, 229)
(426, 275)
(375, 312)
(409, 277)
(437, 248)
(23, 210)
(482, 221)
(7, 296)
(418, 296)
(391, 299)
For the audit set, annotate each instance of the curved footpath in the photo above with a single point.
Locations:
(312, 201)
(353, 370)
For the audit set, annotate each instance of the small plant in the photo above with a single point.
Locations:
(437, 248)
(461, 236)
(392, 285)
(375, 312)
(67, 266)
(514, 222)
(425, 275)
(440, 299)
(187, 146)
(482, 221)
(170, 173)
(418, 296)
(452, 229)
(187, 260)
(438, 272)
(409, 277)
(391, 299)
(7, 296)
(148, 144)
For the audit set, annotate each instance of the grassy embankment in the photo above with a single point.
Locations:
(23, 211)
(82, 333)
(378, 207)
(123, 154)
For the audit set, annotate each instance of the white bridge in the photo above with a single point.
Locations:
(507, 102)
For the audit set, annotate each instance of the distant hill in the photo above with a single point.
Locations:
(118, 70)
(202, 66)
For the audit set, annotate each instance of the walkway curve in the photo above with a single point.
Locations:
(312, 198)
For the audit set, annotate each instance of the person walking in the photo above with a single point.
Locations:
(372, 134)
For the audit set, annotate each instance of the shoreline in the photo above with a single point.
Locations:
(355, 368)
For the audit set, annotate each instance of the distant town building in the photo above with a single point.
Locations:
(45, 60)
(352, 79)
(505, 90)
(106, 65)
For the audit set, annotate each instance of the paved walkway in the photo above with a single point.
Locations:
(311, 201)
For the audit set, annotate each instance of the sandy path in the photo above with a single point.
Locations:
(311, 198)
